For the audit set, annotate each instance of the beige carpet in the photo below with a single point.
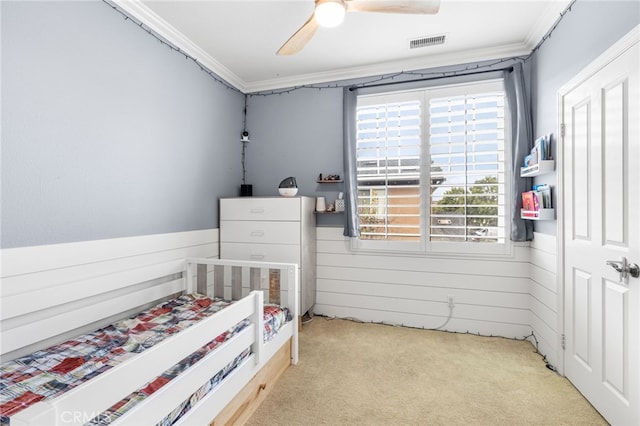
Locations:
(369, 374)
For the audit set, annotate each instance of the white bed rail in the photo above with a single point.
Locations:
(289, 284)
(90, 399)
(93, 397)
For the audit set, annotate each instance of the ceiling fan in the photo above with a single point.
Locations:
(330, 13)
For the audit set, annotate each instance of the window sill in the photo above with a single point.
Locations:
(448, 251)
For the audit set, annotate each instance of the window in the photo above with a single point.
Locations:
(431, 168)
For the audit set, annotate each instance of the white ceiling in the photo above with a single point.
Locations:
(238, 39)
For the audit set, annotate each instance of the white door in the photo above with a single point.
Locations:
(601, 163)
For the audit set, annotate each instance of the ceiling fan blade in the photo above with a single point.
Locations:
(391, 6)
(301, 37)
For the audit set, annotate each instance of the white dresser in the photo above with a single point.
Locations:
(272, 229)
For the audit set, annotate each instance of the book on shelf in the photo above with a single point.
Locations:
(541, 151)
(544, 195)
(529, 204)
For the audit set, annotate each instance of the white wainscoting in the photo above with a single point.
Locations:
(504, 297)
(492, 297)
(35, 270)
(544, 295)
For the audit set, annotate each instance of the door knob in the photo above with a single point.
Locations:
(625, 269)
(634, 270)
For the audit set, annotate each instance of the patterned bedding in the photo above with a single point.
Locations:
(51, 372)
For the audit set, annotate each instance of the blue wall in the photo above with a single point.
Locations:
(105, 131)
(296, 134)
(584, 33)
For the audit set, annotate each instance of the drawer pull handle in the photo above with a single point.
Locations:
(257, 256)
(256, 211)
(257, 233)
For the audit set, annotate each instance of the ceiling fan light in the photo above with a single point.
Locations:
(329, 14)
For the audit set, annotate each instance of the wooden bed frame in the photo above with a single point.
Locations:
(41, 307)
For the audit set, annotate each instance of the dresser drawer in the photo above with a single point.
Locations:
(285, 253)
(250, 231)
(255, 208)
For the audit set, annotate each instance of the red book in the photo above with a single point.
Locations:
(528, 204)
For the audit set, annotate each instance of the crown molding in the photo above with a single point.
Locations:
(414, 64)
(546, 21)
(136, 9)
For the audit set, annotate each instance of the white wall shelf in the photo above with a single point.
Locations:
(545, 166)
(542, 214)
(329, 178)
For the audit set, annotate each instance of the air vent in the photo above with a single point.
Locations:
(427, 41)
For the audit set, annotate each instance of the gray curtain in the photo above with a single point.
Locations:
(521, 142)
(349, 103)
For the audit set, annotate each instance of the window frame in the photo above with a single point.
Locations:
(425, 246)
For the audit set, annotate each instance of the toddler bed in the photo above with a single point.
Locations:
(188, 357)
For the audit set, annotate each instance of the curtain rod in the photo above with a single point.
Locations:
(509, 69)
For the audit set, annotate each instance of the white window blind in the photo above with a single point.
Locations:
(467, 151)
(388, 157)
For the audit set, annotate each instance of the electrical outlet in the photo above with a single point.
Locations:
(450, 300)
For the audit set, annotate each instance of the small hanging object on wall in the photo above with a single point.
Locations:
(246, 190)
(288, 187)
